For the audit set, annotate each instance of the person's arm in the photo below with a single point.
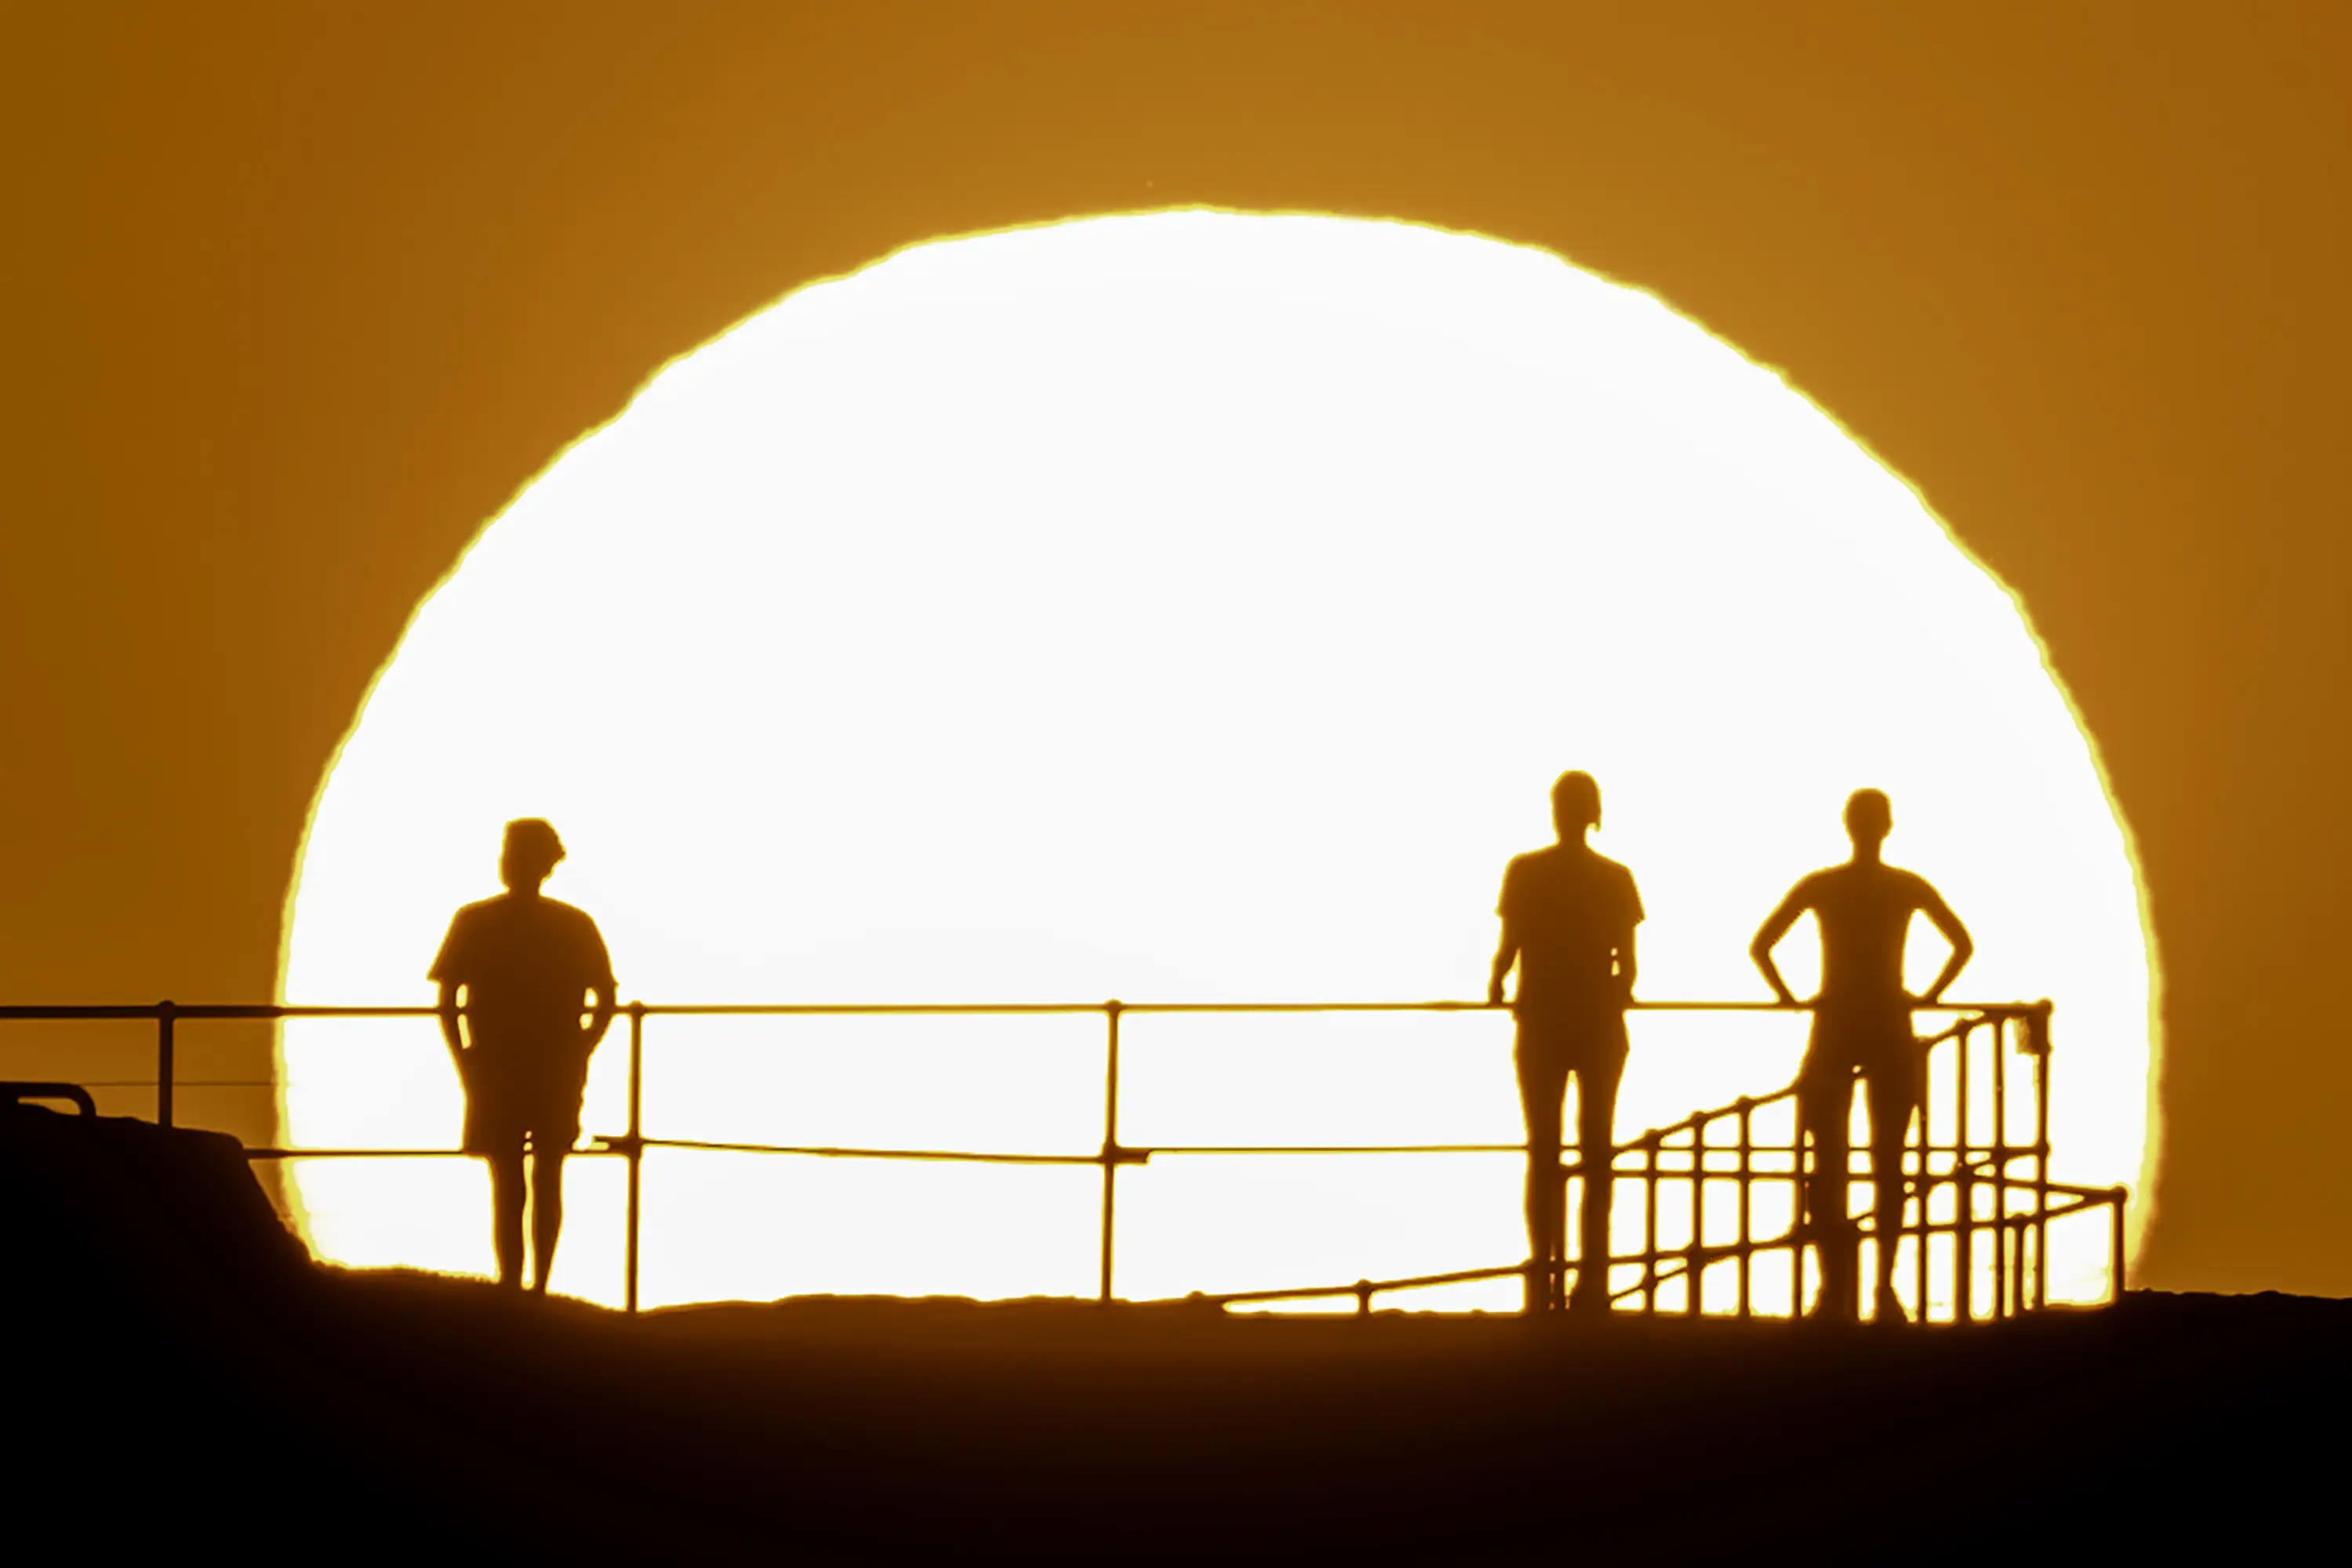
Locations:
(1939, 914)
(448, 972)
(1631, 914)
(1506, 949)
(1506, 955)
(1768, 937)
(450, 1034)
(599, 962)
(600, 1017)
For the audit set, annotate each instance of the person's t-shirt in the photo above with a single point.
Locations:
(1570, 908)
(527, 964)
(1865, 916)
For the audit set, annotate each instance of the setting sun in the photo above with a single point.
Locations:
(1189, 607)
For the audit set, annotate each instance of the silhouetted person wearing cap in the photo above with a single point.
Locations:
(1862, 1023)
(1569, 914)
(526, 965)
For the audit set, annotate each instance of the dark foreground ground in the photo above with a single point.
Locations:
(181, 1375)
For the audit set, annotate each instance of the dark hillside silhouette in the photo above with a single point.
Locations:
(223, 1391)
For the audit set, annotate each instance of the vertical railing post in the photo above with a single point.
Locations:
(1111, 1149)
(2004, 1280)
(1922, 1184)
(1650, 1149)
(1747, 1154)
(2116, 1244)
(1801, 1219)
(637, 1149)
(1554, 1271)
(1694, 1261)
(1964, 1191)
(166, 1050)
(2000, 1031)
(2037, 1039)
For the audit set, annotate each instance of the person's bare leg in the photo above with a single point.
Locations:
(1540, 1099)
(546, 1214)
(506, 1215)
(1545, 1202)
(1893, 1100)
(1823, 1107)
(1596, 1152)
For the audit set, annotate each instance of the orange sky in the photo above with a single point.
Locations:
(294, 303)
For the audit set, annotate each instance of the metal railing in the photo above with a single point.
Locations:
(17, 1091)
(2007, 1210)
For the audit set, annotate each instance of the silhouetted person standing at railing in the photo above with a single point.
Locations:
(1569, 914)
(526, 965)
(1862, 1023)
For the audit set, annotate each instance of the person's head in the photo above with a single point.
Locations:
(531, 852)
(1869, 818)
(1575, 804)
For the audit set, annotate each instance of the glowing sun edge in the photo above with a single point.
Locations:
(2152, 1134)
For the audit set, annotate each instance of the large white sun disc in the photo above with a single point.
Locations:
(1182, 606)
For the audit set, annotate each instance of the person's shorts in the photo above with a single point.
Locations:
(1879, 1044)
(1573, 1035)
(508, 1104)
(1549, 1046)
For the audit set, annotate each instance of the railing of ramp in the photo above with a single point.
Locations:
(1980, 1199)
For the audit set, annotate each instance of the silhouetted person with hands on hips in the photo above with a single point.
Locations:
(526, 965)
(1569, 914)
(1862, 1023)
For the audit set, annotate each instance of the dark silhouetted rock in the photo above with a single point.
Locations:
(405, 1411)
(107, 1204)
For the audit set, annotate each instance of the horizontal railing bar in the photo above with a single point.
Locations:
(267, 1011)
(1698, 1120)
(1327, 1007)
(390, 1153)
(1654, 1277)
(179, 1082)
(1664, 1264)
(1127, 1152)
(1458, 1277)
(1156, 1149)
(833, 1152)
(1420, 1281)
(1382, 1286)
(2023, 1186)
(2083, 1204)
(1625, 1151)
(1152, 1149)
(877, 1009)
(1987, 1009)
(150, 1012)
